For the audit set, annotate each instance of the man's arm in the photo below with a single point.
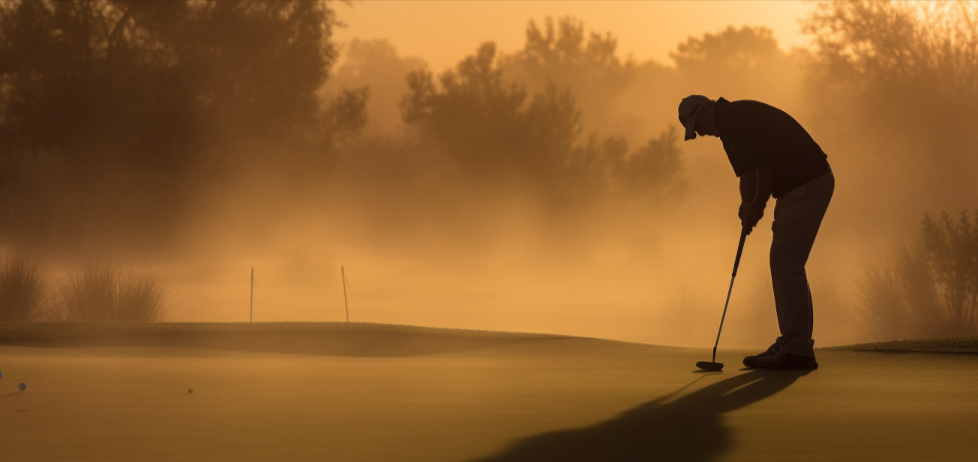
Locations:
(748, 187)
(755, 189)
(765, 178)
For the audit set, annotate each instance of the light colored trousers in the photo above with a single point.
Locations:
(797, 217)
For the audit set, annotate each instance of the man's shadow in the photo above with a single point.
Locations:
(688, 428)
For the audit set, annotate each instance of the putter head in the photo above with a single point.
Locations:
(709, 366)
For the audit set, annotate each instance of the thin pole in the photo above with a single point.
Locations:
(345, 302)
(740, 250)
(251, 304)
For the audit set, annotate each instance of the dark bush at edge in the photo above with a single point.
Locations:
(928, 285)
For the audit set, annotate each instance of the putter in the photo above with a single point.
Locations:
(714, 365)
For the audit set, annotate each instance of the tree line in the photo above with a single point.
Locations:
(115, 114)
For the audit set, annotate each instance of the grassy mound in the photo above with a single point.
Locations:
(337, 339)
(931, 345)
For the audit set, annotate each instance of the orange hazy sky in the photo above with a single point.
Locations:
(443, 32)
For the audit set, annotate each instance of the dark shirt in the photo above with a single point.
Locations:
(756, 135)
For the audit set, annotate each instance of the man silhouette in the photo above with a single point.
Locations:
(773, 155)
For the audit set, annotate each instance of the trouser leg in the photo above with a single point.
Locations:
(797, 217)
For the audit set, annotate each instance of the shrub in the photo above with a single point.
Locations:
(100, 293)
(928, 285)
(23, 290)
(951, 251)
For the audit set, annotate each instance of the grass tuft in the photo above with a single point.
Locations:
(100, 293)
(23, 290)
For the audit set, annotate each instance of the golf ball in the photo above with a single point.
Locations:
(22, 386)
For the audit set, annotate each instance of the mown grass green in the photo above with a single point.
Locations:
(928, 345)
(517, 397)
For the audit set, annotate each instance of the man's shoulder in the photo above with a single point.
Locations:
(749, 106)
(751, 115)
(742, 116)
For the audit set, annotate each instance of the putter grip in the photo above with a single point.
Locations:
(740, 250)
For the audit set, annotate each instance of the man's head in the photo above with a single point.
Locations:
(696, 115)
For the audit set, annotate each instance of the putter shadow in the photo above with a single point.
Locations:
(689, 428)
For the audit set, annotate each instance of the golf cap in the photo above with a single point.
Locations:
(688, 108)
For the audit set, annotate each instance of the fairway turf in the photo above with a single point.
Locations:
(968, 345)
(517, 397)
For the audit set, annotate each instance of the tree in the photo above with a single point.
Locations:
(893, 86)
(736, 63)
(376, 65)
(135, 98)
(499, 133)
(906, 72)
(561, 53)
(481, 120)
(742, 63)
(747, 48)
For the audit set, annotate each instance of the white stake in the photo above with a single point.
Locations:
(251, 304)
(345, 302)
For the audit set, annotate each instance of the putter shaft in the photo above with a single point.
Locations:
(740, 250)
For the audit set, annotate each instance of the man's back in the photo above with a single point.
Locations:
(755, 134)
